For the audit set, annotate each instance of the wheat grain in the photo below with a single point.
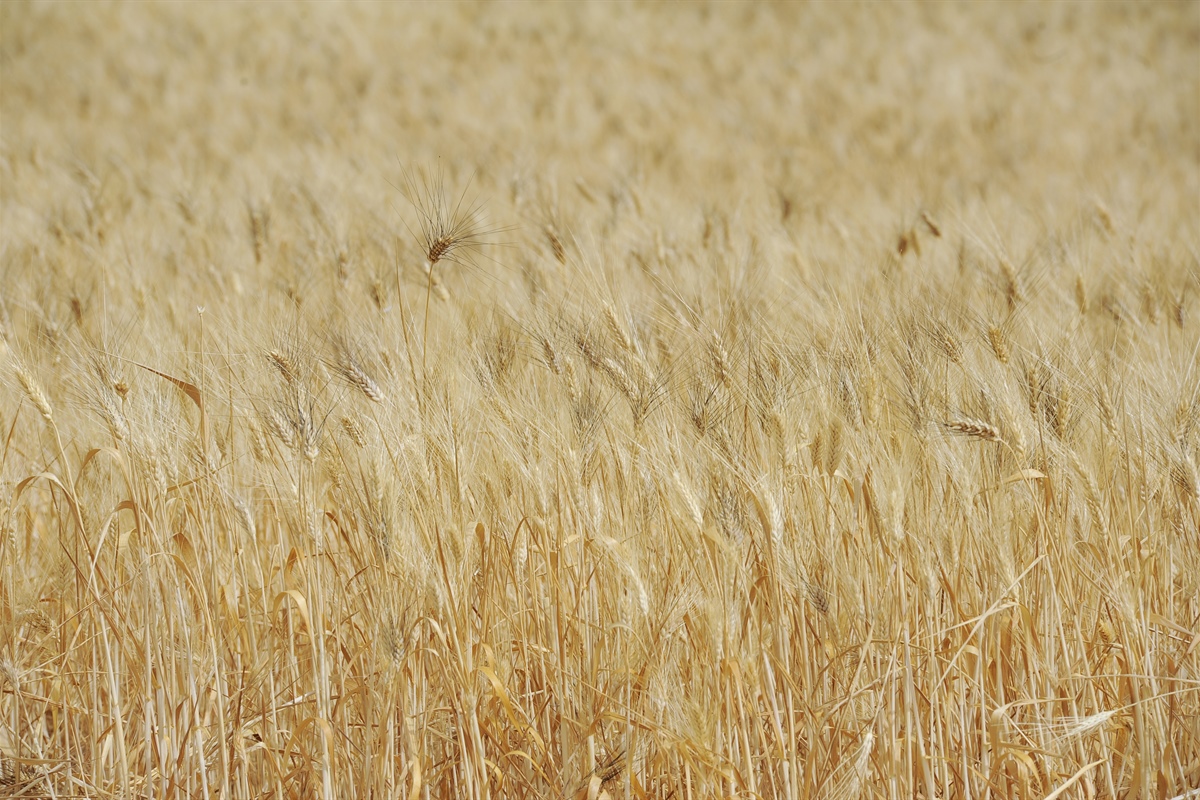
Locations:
(975, 428)
(1014, 290)
(33, 390)
(355, 431)
(999, 343)
(1081, 298)
(284, 365)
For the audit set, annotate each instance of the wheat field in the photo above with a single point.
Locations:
(600, 400)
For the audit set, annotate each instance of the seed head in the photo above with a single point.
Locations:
(448, 229)
(33, 390)
(285, 365)
(355, 431)
(999, 343)
(975, 428)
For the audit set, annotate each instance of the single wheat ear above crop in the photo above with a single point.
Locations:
(450, 227)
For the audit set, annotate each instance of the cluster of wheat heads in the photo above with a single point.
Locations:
(744, 405)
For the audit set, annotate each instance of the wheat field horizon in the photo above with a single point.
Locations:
(623, 401)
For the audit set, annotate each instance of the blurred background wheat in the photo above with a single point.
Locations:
(641, 401)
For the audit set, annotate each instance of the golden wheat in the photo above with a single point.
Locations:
(599, 401)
